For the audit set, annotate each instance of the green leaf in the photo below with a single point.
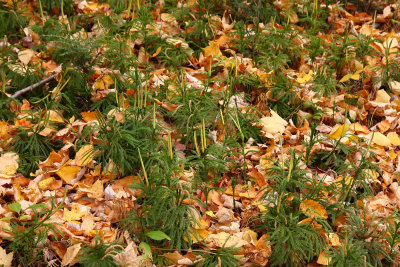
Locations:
(7, 218)
(158, 235)
(15, 207)
(23, 217)
(146, 248)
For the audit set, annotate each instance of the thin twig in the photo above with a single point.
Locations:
(33, 86)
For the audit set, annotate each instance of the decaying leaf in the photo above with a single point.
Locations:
(6, 258)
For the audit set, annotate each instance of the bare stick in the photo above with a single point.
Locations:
(33, 86)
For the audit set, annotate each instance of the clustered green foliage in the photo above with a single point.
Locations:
(99, 253)
(135, 144)
(28, 238)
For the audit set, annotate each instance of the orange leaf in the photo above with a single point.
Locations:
(312, 209)
(85, 155)
(212, 49)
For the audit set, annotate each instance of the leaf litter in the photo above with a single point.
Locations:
(346, 142)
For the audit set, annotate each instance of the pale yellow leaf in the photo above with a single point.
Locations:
(273, 125)
(8, 164)
(25, 56)
(5, 259)
(394, 138)
(225, 239)
(71, 254)
(382, 97)
(380, 140)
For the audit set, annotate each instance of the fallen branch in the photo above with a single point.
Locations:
(33, 86)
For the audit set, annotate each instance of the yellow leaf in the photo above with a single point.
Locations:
(75, 214)
(157, 52)
(372, 174)
(334, 240)
(312, 209)
(380, 140)
(212, 49)
(345, 78)
(323, 259)
(54, 116)
(358, 128)
(392, 154)
(356, 76)
(5, 259)
(85, 155)
(103, 82)
(108, 80)
(68, 173)
(338, 131)
(198, 235)
(382, 97)
(250, 236)
(359, 66)
(394, 138)
(45, 183)
(211, 214)
(96, 190)
(304, 78)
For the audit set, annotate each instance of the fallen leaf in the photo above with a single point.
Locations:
(223, 239)
(382, 97)
(25, 56)
(338, 131)
(323, 259)
(70, 257)
(85, 155)
(273, 125)
(313, 209)
(212, 49)
(68, 173)
(304, 78)
(380, 140)
(96, 190)
(75, 214)
(5, 259)
(394, 138)
(8, 164)
(395, 87)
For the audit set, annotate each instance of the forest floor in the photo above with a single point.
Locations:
(199, 133)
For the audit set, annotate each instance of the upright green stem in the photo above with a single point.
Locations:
(41, 11)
